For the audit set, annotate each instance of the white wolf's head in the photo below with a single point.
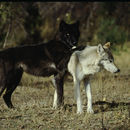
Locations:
(107, 59)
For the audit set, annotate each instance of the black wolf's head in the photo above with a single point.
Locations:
(69, 33)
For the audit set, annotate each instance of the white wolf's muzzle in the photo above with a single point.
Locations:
(110, 66)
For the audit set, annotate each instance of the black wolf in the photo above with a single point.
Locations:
(44, 59)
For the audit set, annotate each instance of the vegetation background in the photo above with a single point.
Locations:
(35, 22)
(23, 23)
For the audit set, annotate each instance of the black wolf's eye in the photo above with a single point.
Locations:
(67, 34)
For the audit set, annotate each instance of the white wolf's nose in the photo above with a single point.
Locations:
(117, 71)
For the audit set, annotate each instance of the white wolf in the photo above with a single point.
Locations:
(86, 62)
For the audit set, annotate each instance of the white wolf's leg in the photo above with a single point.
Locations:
(55, 100)
(78, 97)
(89, 96)
(55, 94)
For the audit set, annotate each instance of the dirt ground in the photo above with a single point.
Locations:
(33, 101)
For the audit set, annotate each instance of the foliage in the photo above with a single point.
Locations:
(68, 18)
(32, 25)
(4, 18)
(108, 30)
(34, 22)
(12, 17)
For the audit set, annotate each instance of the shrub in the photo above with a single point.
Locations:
(108, 30)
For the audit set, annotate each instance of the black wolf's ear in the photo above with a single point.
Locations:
(100, 49)
(77, 23)
(62, 25)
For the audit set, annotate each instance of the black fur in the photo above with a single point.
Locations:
(37, 60)
(71, 33)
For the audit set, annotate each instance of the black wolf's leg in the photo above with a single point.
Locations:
(59, 80)
(2, 88)
(11, 85)
(2, 85)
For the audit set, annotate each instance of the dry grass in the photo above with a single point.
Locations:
(34, 97)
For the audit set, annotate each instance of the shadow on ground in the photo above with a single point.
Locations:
(104, 106)
(101, 106)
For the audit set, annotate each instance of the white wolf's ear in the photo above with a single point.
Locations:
(100, 49)
(107, 45)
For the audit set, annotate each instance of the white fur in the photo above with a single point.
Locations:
(73, 47)
(89, 96)
(52, 65)
(84, 63)
(109, 66)
(55, 100)
(55, 94)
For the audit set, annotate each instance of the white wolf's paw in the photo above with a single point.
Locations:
(90, 110)
(79, 112)
(55, 106)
